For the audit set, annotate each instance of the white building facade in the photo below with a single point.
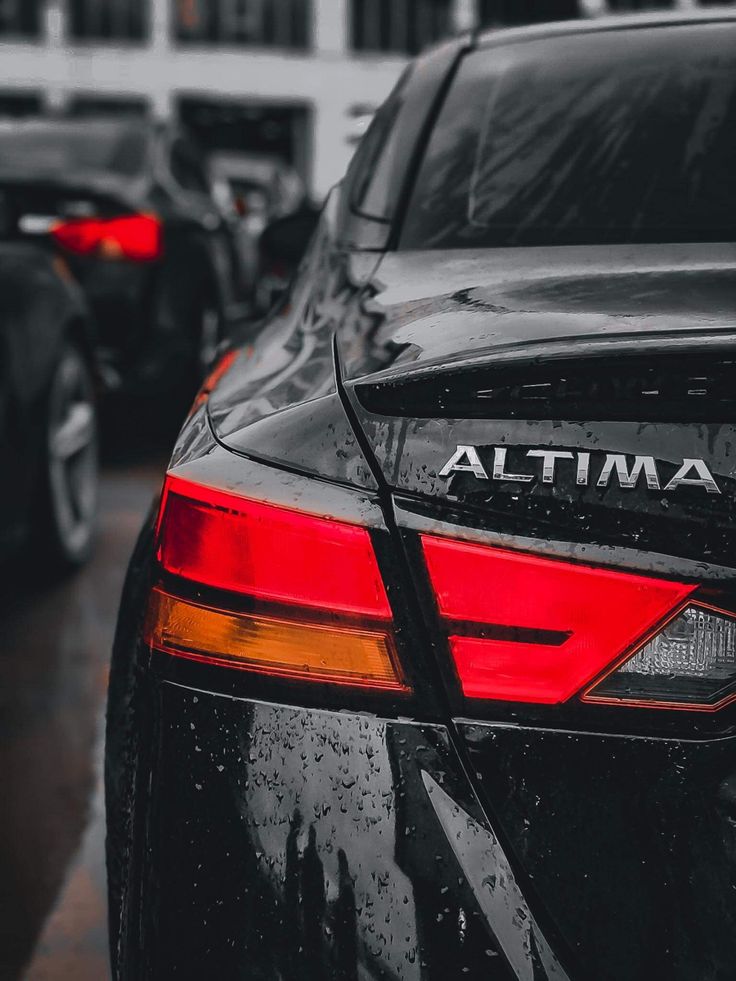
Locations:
(285, 76)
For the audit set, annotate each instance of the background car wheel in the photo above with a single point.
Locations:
(68, 515)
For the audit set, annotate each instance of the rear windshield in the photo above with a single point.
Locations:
(69, 149)
(608, 137)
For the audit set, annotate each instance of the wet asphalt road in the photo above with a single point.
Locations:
(55, 645)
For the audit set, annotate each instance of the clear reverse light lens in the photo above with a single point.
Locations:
(691, 660)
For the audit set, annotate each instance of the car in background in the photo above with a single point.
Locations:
(426, 661)
(254, 190)
(259, 188)
(128, 205)
(281, 247)
(48, 412)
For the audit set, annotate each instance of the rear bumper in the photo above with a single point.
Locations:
(276, 842)
(282, 843)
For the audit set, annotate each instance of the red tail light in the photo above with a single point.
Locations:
(219, 539)
(529, 629)
(135, 237)
(316, 604)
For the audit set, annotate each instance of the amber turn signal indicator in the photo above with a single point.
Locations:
(290, 594)
(308, 651)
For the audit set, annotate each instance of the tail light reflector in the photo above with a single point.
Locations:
(316, 607)
(530, 629)
(135, 237)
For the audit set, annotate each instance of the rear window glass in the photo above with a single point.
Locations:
(612, 137)
(373, 188)
(31, 148)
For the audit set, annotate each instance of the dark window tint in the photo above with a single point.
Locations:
(20, 17)
(73, 148)
(271, 23)
(372, 187)
(398, 25)
(114, 20)
(612, 137)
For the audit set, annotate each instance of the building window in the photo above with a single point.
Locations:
(403, 26)
(498, 12)
(620, 6)
(91, 105)
(269, 23)
(108, 20)
(269, 129)
(20, 18)
(19, 104)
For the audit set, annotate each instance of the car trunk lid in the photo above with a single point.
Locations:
(569, 418)
(592, 376)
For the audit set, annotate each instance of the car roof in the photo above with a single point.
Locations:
(588, 25)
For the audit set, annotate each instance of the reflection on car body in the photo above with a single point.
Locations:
(370, 719)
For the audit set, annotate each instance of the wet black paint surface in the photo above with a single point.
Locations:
(263, 832)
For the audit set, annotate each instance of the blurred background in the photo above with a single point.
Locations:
(289, 78)
(220, 118)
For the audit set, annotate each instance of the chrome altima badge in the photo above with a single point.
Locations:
(624, 469)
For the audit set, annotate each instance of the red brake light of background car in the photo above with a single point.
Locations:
(317, 608)
(135, 237)
(524, 628)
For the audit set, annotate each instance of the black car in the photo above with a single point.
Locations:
(48, 414)
(128, 205)
(426, 665)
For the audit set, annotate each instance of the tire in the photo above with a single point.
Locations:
(66, 525)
